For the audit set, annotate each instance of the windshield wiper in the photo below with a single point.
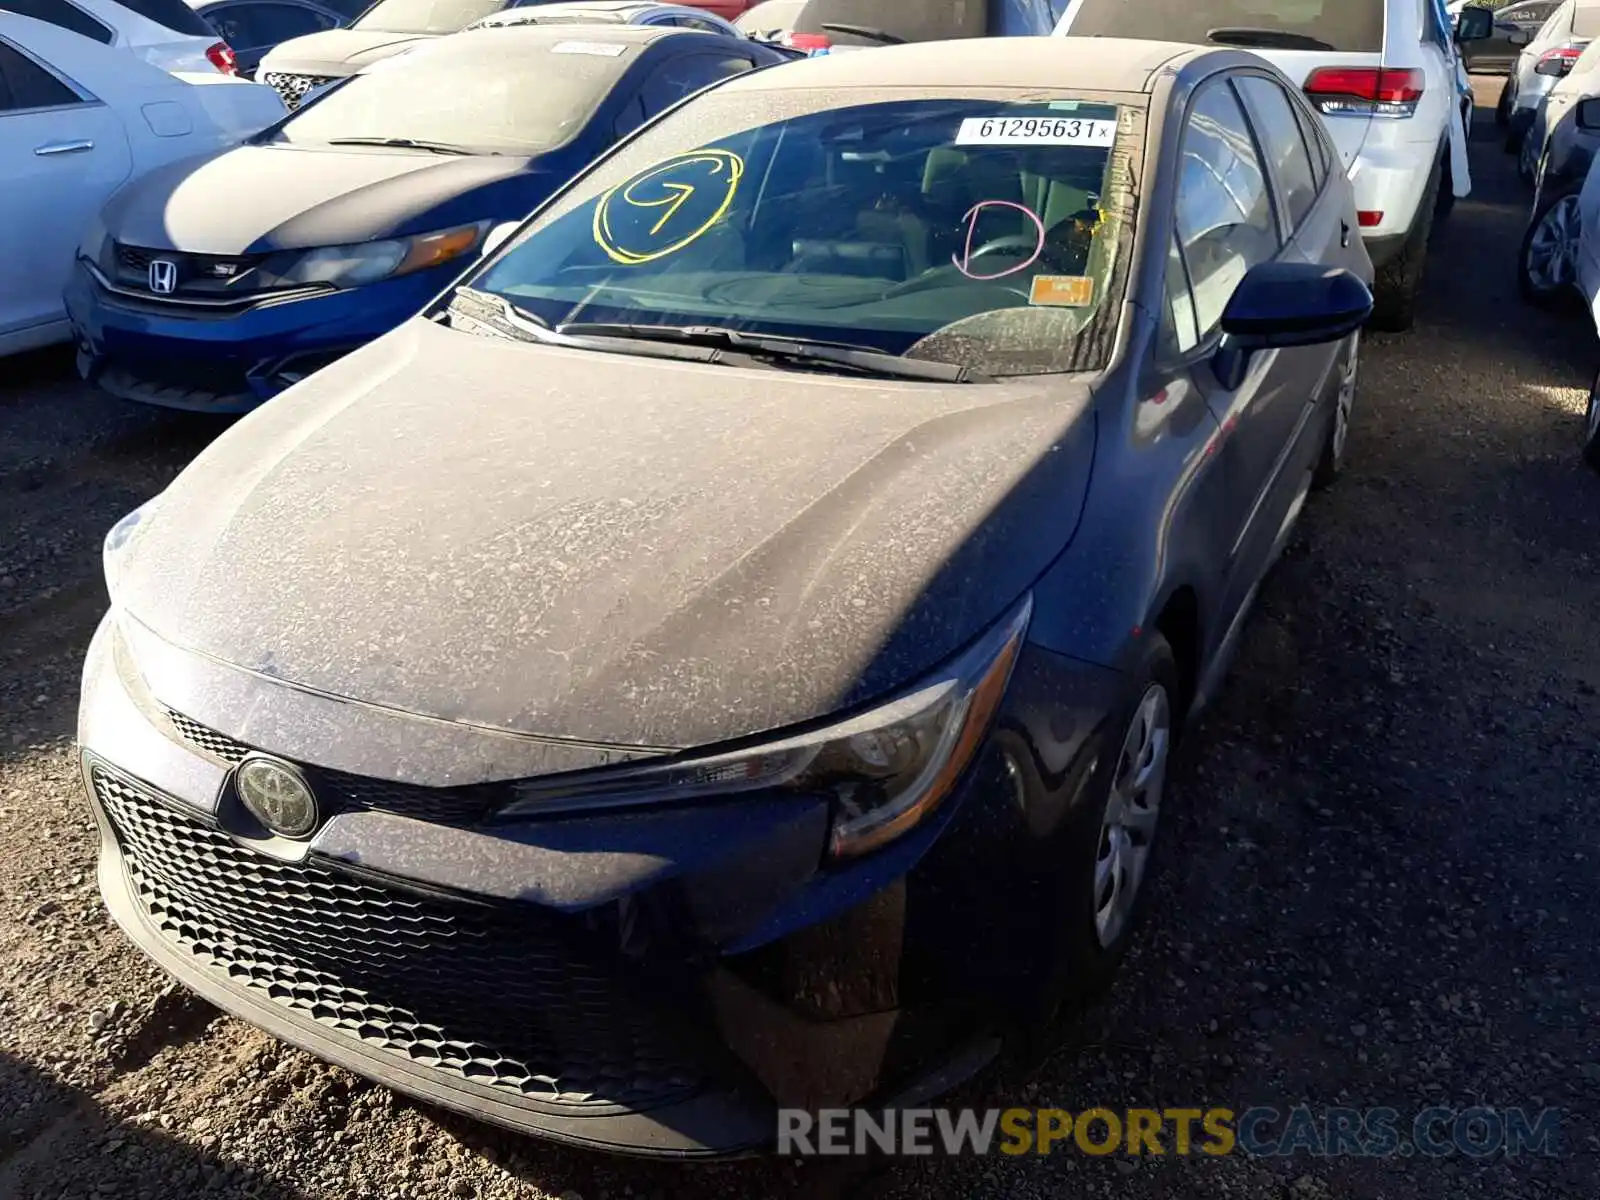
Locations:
(403, 142)
(1278, 39)
(803, 351)
(496, 313)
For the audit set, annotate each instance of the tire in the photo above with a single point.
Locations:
(1398, 281)
(1331, 464)
(1093, 941)
(1591, 426)
(1547, 258)
(1502, 108)
(1528, 156)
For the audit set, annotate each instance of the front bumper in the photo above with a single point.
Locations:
(227, 360)
(653, 983)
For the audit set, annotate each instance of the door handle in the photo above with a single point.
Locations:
(50, 148)
(1344, 235)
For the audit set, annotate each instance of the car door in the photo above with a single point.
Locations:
(1227, 221)
(62, 152)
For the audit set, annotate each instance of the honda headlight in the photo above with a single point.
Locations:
(118, 539)
(370, 262)
(883, 771)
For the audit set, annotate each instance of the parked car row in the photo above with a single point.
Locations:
(546, 702)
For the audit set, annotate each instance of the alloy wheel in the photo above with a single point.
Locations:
(1128, 828)
(1552, 257)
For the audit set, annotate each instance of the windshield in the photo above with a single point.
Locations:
(971, 231)
(1347, 26)
(491, 103)
(425, 16)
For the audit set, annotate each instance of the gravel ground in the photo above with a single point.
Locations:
(1380, 884)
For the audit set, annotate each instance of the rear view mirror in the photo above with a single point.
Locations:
(1474, 24)
(1278, 305)
(1588, 115)
(497, 237)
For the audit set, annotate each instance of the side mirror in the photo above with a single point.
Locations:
(1588, 114)
(1278, 305)
(497, 237)
(1474, 24)
(1519, 37)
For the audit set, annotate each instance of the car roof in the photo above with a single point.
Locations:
(1076, 64)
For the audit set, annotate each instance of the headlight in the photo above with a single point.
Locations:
(117, 540)
(884, 770)
(369, 262)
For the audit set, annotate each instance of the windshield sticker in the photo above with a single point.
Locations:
(603, 49)
(1035, 131)
(1062, 291)
(1015, 246)
(660, 211)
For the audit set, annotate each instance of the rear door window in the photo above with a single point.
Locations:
(174, 14)
(1285, 146)
(1346, 26)
(59, 12)
(24, 84)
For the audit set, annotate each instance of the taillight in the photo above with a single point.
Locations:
(811, 43)
(1365, 91)
(1558, 62)
(223, 58)
(1369, 218)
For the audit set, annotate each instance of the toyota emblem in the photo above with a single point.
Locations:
(163, 276)
(277, 795)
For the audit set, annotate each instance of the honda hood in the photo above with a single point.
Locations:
(336, 52)
(280, 197)
(608, 548)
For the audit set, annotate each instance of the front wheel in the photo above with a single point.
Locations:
(1547, 265)
(1591, 427)
(1108, 841)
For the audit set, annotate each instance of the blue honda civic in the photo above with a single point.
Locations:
(215, 283)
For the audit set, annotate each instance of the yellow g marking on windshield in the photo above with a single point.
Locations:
(682, 192)
(700, 184)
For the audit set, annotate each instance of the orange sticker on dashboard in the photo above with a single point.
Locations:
(1062, 291)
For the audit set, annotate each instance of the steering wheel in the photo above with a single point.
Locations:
(1022, 245)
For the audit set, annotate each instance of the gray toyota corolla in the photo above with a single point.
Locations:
(724, 654)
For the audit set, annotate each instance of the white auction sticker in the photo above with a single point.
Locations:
(604, 49)
(1035, 131)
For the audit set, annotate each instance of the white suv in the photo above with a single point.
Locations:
(1386, 77)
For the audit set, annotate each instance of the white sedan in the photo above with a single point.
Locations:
(77, 121)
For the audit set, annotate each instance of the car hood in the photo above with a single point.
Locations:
(336, 52)
(256, 198)
(617, 549)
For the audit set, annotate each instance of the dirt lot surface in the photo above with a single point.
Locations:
(1381, 883)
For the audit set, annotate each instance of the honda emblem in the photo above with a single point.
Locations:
(163, 276)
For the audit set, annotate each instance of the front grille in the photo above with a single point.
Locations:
(340, 791)
(512, 998)
(293, 87)
(209, 276)
(219, 745)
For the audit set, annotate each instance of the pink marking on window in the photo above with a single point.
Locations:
(964, 263)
